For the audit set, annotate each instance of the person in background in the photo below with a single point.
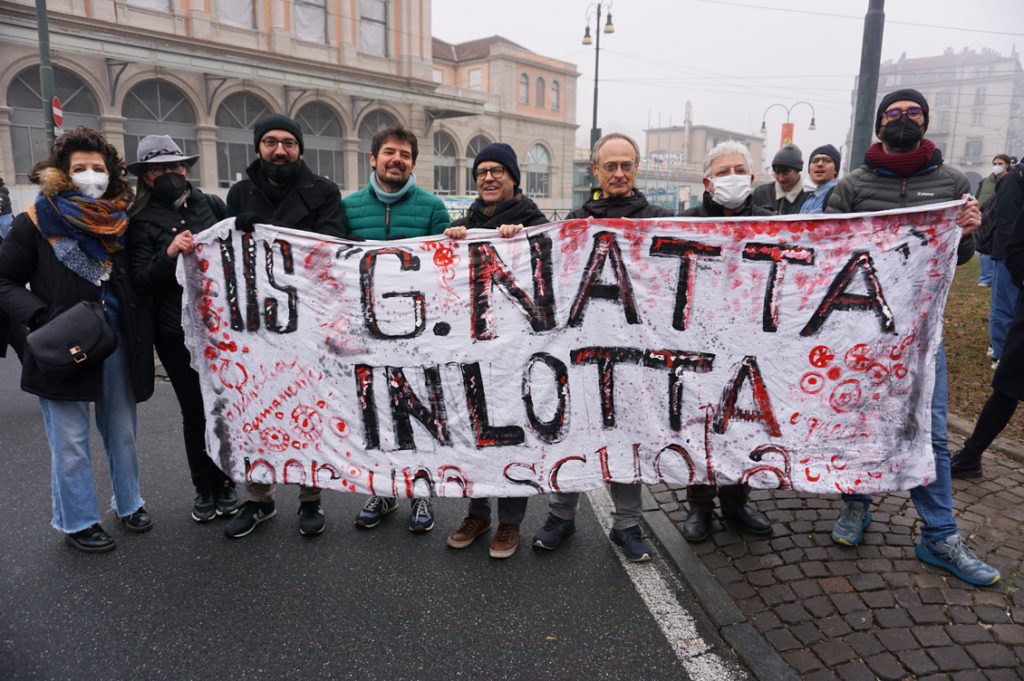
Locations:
(786, 195)
(6, 216)
(823, 167)
(69, 246)
(986, 190)
(167, 212)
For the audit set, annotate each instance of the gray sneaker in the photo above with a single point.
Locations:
(853, 520)
(952, 554)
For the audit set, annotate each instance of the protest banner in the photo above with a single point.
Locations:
(793, 352)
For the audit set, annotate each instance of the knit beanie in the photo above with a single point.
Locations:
(789, 156)
(499, 152)
(275, 122)
(908, 94)
(829, 151)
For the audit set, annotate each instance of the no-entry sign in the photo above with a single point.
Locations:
(58, 113)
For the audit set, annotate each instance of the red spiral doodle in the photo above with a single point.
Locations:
(899, 371)
(308, 422)
(821, 356)
(275, 439)
(878, 373)
(859, 357)
(846, 396)
(812, 383)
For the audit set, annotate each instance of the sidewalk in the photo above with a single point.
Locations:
(866, 612)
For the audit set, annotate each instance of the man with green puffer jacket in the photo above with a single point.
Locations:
(391, 206)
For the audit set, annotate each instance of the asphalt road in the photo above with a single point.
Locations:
(184, 602)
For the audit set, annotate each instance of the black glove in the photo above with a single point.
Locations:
(244, 222)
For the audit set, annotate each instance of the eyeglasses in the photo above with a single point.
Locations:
(497, 172)
(271, 143)
(161, 168)
(611, 166)
(911, 111)
(822, 159)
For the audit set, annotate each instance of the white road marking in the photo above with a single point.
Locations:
(693, 652)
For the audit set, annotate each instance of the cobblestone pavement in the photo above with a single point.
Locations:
(875, 611)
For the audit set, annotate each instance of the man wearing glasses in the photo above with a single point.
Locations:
(282, 190)
(906, 169)
(823, 167)
(614, 161)
(786, 195)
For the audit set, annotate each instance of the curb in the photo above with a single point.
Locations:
(751, 648)
(1003, 445)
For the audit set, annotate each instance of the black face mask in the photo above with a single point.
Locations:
(170, 186)
(902, 134)
(280, 174)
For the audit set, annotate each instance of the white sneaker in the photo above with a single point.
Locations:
(990, 352)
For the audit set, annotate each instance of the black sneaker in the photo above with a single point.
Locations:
(251, 514)
(226, 499)
(311, 518)
(204, 508)
(963, 465)
(554, 531)
(91, 540)
(140, 521)
(633, 544)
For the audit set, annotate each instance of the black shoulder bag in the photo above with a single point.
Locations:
(74, 340)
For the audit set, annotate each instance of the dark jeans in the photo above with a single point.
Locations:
(510, 509)
(731, 497)
(996, 413)
(185, 381)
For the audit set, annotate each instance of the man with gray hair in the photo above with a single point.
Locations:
(615, 160)
(727, 192)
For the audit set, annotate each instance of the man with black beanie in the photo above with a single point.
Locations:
(786, 195)
(823, 167)
(282, 190)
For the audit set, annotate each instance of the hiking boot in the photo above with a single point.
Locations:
(311, 518)
(421, 516)
(251, 514)
(952, 554)
(92, 539)
(471, 527)
(963, 465)
(139, 521)
(227, 499)
(633, 544)
(204, 508)
(853, 520)
(374, 510)
(505, 541)
(554, 531)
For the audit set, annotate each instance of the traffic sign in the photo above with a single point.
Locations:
(58, 113)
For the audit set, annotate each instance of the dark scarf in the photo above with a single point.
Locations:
(519, 210)
(903, 165)
(83, 232)
(616, 206)
(274, 193)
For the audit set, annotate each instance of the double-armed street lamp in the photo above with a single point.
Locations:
(594, 11)
(787, 127)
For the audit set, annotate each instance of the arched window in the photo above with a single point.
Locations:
(235, 119)
(472, 149)
(538, 172)
(372, 123)
(28, 136)
(541, 89)
(154, 107)
(524, 89)
(321, 136)
(556, 96)
(444, 164)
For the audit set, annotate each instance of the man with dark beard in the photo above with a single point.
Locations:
(282, 190)
(906, 169)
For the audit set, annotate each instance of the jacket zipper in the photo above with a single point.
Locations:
(387, 223)
(903, 193)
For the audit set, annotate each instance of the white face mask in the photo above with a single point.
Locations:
(731, 190)
(91, 183)
(998, 170)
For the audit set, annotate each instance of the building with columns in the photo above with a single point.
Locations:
(204, 72)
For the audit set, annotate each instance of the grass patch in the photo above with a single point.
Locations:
(970, 373)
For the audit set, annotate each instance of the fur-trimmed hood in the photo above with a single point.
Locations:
(53, 181)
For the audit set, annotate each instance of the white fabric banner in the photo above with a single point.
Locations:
(794, 352)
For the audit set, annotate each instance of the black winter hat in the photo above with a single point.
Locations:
(829, 151)
(909, 94)
(499, 152)
(275, 122)
(789, 156)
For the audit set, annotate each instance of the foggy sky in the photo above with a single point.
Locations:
(730, 59)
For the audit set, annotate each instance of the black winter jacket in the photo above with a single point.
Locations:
(149, 234)
(519, 210)
(634, 206)
(26, 257)
(312, 204)
(1009, 203)
(710, 209)
(764, 197)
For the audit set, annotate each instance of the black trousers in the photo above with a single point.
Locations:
(732, 497)
(994, 416)
(185, 381)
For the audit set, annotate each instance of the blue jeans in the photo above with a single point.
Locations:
(934, 501)
(1005, 294)
(75, 506)
(985, 275)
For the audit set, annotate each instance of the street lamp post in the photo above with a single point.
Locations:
(594, 10)
(764, 126)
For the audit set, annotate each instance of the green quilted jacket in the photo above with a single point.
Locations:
(418, 213)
